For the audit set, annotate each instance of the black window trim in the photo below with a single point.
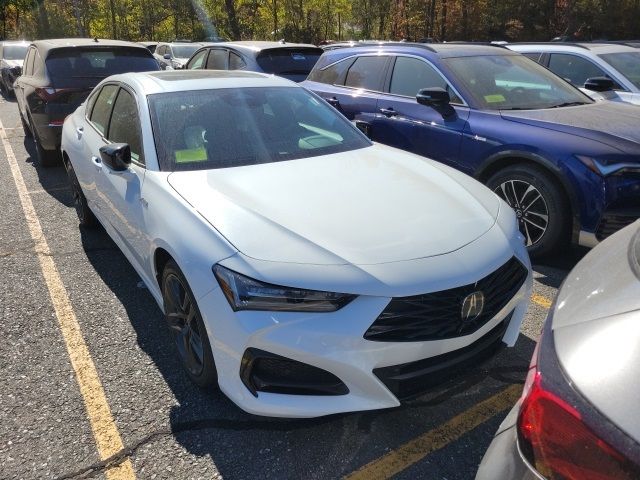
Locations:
(387, 85)
(103, 136)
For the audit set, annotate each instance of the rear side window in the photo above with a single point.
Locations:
(125, 124)
(411, 75)
(292, 63)
(102, 108)
(217, 60)
(573, 68)
(367, 73)
(236, 62)
(332, 74)
(86, 66)
(535, 56)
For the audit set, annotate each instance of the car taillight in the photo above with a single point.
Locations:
(556, 442)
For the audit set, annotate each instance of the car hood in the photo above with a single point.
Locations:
(596, 329)
(614, 124)
(368, 206)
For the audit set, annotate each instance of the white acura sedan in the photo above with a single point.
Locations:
(300, 267)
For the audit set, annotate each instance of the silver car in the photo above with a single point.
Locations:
(579, 415)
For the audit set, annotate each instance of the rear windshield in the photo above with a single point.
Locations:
(220, 128)
(84, 67)
(184, 51)
(14, 52)
(292, 63)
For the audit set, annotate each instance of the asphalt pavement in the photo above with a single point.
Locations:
(168, 427)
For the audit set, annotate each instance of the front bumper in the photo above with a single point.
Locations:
(334, 342)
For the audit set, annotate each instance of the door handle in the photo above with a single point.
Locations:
(96, 163)
(333, 101)
(79, 132)
(389, 112)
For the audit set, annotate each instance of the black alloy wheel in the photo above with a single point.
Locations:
(85, 215)
(538, 203)
(187, 328)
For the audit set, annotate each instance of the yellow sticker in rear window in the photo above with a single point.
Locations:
(191, 155)
(497, 98)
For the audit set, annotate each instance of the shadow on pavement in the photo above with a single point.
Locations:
(53, 179)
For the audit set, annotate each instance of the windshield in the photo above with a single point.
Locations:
(184, 51)
(14, 52)
(627, 63)
(86, 66)
(292, 63)
(220, 128)
(513, 82)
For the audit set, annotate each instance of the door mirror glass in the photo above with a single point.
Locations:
(599, 84)
(116, 156)
(167, 56)
(436, 97)
(364, 127)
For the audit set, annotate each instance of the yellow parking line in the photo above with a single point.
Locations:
(415, 450)
(540, 300)
(105, 432)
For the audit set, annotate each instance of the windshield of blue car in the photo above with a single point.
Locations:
(513, 82)
(14, 52)
(627, 63)
(184, 51)
(221, 128)
(293, 63)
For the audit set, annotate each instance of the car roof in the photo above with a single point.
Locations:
(149, 83)
(595, 47)
(52, 44)
(15, 42)
(442, 50)
(256, 45)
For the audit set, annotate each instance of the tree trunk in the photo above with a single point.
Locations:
(114, 28)
(43, 20)
(230, 7)
(443, 26)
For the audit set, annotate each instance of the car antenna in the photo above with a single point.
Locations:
(95, 39)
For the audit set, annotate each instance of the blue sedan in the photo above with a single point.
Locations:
(569, 167)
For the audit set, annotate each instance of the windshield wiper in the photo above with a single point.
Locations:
(569, 104)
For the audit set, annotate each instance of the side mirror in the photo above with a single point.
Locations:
(167, 56)
(116, 156)
(364, 127)
(599, 84)
(435, 97)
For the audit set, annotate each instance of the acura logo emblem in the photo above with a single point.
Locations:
(472, 306)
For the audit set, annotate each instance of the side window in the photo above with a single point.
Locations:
(367, 73)
(331, 74)
(161, 50)
(101, 111)
(168, 50)
(411, 74)
(198, 61)
(574, 68)
(125, 124)
(236, 62)
(217, 60)
(535, 56)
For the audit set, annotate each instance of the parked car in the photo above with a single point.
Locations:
(174, 55)
(151, 46)
(312, 272)
(289, 60)
(57, 77)
(593, 66)
(11, 57)
(579, 418)
(568, 166)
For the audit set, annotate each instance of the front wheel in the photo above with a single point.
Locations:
(187, 328)
(85, 215)
(539, 204)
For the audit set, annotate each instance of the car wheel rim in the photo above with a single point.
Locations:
(530, 207)
(182, 319)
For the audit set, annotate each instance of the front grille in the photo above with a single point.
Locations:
(438, 315)
(611, 223)
(414, 378)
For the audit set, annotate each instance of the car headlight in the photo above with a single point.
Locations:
(609, 168)
(244, 293)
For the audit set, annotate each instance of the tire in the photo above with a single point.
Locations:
(536, 198)
(85, 215)
(187, 328)
(46, 158)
